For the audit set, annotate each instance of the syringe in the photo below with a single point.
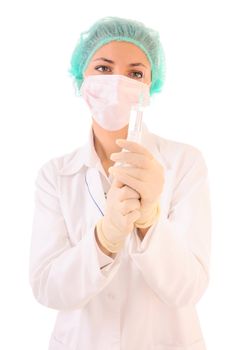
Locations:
(135, 126)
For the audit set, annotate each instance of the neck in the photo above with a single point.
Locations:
(104, 140)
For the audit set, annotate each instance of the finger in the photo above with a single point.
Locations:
(132, 217)
(133, 147)
(117, 184)
(130, 181)
(129, 205)
(136, 173)
(128, 193)
(136, 159)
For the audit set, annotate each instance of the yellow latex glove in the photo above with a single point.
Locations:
(145, 175)
(122, 210)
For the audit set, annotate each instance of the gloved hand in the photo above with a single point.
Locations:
(145, 175)
(122, 210)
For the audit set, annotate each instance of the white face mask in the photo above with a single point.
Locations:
(111, 97)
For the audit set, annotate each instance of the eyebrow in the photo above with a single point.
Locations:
(112, 62)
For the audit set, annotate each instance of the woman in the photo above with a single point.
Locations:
(122, 251)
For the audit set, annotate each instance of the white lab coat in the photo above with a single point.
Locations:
(145, 297)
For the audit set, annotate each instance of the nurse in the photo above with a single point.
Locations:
(138, 233)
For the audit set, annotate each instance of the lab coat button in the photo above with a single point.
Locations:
(111, 296)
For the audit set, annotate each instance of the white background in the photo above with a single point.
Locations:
(202, 104)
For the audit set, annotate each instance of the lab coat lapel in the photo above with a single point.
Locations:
(96, 192)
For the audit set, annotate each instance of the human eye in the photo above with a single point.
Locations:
(138, 74)
(103, 68)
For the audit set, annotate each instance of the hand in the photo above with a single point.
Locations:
(122, 210)
(145, 175)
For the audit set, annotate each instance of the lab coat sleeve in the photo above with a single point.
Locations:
(62, 275)
(174, 255)
(104, 260)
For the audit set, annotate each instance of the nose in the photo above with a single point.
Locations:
(120, 71)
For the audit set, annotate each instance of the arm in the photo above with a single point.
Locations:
(174, 255)
(63, 276)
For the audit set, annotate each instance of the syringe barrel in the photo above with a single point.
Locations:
(135, 124)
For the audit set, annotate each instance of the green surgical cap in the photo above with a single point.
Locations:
(115, 28)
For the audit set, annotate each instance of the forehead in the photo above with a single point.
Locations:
(122, 51)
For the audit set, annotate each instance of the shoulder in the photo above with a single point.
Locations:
(179, 155)
(173, 146)
(52, 167)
